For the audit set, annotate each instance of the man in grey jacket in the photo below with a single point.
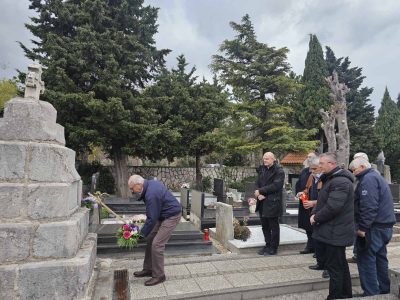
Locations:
(333, 220)
(374, 215)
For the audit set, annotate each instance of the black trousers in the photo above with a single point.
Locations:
(310, 242)
(270, 228)
(338, 269)
(320, 253)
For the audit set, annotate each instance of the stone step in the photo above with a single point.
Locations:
(232, 276)
(172, 248)
(189, 235)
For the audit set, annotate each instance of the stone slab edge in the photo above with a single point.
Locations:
(263, 290)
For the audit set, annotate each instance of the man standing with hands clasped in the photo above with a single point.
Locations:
(374, 215)
(269, 201)
(333, 220)
(163, 212)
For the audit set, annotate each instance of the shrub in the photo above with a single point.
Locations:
(240, 230)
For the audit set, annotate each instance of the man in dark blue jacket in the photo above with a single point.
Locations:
(163, 213)
(374, 216)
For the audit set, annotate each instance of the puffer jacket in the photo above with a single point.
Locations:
(334, 212)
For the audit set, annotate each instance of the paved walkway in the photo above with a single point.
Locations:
(229, 276)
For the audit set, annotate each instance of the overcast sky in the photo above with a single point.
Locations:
(367, 31)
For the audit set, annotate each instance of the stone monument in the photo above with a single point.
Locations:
(45, 249)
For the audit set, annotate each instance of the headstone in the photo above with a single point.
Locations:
(386, 174)
(185, 202)
(219, 189)
(224, 223)
(45, 249)
(395, 189)
(197, 208)
(249, 189)
(93, 185)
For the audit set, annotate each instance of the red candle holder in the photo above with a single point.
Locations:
(206, 235)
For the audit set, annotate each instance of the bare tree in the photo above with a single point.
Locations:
(338, 142)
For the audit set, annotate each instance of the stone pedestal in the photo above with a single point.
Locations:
(45, 249)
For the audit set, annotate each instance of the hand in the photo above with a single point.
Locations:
(298, 195)
(307, 204)
(312, 221)
(261, 197)
(361, 233)
(256, 193)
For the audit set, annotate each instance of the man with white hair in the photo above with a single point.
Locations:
(163, 212)
(374, 216)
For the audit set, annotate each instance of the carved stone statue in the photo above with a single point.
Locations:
(380, 162)
(34, 86)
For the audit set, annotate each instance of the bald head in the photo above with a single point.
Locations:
(269, 159)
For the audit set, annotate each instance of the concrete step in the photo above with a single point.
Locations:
(231, 276)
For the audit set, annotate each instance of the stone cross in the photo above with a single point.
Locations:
(34, 86)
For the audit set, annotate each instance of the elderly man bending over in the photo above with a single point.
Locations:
(163, 213)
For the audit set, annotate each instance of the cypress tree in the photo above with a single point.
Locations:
(388, 127)
(315, 92)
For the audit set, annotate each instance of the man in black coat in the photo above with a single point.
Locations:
(269, 201)
(333, 220)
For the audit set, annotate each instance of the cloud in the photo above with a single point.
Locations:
(367, 31)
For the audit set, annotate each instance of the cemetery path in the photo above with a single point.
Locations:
(230, 276)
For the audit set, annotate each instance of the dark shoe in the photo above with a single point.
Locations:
(154, 280)
(263, 250)
(143, 273)
(307, 251)
(271, 252)
(315, 267)
(325, 274)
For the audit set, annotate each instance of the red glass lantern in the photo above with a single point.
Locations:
(206, 235)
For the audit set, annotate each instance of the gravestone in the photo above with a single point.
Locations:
(197, 208)
(224, 223)
(249, 189)
(45, 249)
(94, 182)
(219, 190)
(185, 202)
(395, 189)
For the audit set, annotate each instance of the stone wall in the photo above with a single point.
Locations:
(174, 177)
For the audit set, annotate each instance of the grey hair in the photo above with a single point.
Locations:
(358, 162)
(330, 156)
(361, 154)
(313, 161)
(135, 179)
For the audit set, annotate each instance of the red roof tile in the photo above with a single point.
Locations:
(294, 159)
